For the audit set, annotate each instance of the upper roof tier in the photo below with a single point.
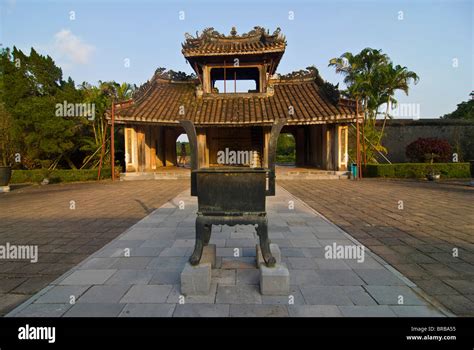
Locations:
(212, 43)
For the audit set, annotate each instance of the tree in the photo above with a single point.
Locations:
(390, 80)
(464, 110)
(372, 79)
(102, 96)
(33, 86)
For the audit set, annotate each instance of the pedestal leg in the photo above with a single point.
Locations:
(203, 235)
(262, 232)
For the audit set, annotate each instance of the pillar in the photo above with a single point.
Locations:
(141, 154)
(131, 156)
(328, 154)
(314, 145)
(203, 149)
(160, 146)
(170, 146)
(300, 146)
(266, 140)
(343, 157)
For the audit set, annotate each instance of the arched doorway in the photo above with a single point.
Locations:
(286, 150)
(183, 151)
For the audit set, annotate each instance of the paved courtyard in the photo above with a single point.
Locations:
(137, 273)
(415, 226)
(67, 232)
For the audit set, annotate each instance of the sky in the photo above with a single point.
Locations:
(127, 40)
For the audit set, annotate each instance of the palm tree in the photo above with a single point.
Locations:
(393, 79)
(359, 75)
(371, 78)
(102, 96)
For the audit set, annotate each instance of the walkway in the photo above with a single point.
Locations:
(423, 229)
(68, 222)
(137, 274)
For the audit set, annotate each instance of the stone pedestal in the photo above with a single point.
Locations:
(4, 189)
(274, 280)
(209, 255)
(196, 280)
(275, 252)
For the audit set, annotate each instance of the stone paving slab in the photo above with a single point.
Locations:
(138, 273)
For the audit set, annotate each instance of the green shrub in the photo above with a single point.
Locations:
(56, 176)
(285, 158)
(417, 170)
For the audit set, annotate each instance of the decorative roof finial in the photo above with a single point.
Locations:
(233, 32)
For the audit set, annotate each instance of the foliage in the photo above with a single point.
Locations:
(101, 96)
(372, 79)
(282, 159)
(186, 146)
(429, 149)
(417, 170)
(59, 175)
(32, 86)
(464, 110)
(286, 145)
(286, 152)
(6, 152)
(174, 75)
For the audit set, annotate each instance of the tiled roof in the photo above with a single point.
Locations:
(166, 102)
(212, 43)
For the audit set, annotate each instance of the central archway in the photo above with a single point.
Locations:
(183, 151)
(286, 150)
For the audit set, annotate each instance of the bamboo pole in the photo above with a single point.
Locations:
(112, 140)
(102, 153)
(364, 148)
(357, 140)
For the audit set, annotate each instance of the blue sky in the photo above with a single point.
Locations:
(434, 38)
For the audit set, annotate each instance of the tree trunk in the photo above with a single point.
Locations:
(384, 121)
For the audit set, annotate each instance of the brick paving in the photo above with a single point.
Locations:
(42, 215)
(415, 226)
(138, 273)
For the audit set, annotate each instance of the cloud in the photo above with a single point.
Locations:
(72, 48)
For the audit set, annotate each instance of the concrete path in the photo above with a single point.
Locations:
(137, 274)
